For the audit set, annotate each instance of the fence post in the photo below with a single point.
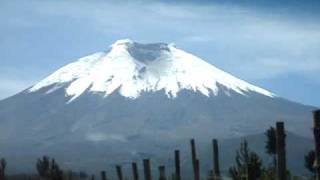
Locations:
(162, 173)
(194, 159)
(177, 165)
(119, 172)
(135, 171)
(197, 170)
(147, 169)
(316, 133)
(103, 175)
(216, 166)
(281, 151)
(193, 152)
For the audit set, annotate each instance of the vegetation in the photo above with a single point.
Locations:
(248, 165)
(271, 143)
(270, 146)
(3, 165)
(48, 169)
(309, 161)
(247, 162)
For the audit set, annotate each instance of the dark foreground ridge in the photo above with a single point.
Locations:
(248, 165)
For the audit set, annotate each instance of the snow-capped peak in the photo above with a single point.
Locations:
(122, 42)
(133, 68)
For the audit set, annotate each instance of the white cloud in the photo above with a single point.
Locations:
(242, 41)
(97, 137)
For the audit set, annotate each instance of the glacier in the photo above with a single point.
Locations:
(133, 68)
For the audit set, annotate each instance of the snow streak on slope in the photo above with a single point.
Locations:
(133, 68)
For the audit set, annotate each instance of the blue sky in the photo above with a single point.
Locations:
(272, 44)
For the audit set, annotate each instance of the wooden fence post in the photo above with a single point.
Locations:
(135, 171)
(194, 159)
(316, 133)
(177, 165)
(281, 151)
(197, 170)
(162, 173)
(103, 175)
(119, 172)
(193, 152)
(147, 169)
(216, 166)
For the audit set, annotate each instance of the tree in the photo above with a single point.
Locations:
(55, 172)
(49, 169)
(245, 159)
(43, 166)
(309, 161)
(270, 147)
(3, 165)
(271, 143)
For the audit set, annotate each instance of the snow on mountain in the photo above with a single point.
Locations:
(133, 68)
(137, 120)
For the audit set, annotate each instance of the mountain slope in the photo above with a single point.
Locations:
(134, 99)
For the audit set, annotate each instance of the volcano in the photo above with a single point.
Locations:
(136, 100)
